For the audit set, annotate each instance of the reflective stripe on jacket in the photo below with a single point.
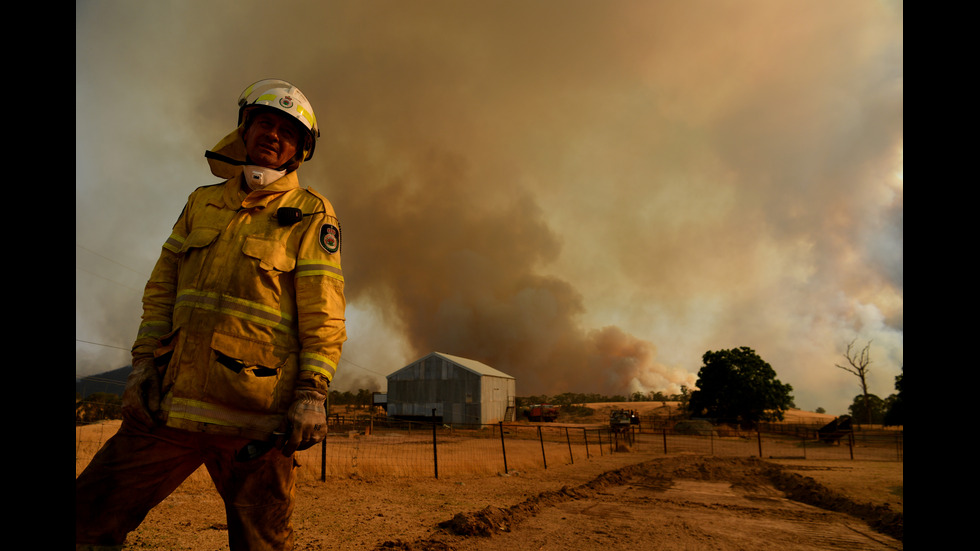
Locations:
(241, 308)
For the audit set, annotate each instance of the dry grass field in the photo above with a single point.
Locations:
(633, 497)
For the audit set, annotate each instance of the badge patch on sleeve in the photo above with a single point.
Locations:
(330, 238)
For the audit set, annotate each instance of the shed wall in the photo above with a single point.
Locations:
(458, 395)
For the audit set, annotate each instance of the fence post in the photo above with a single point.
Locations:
(435, 453)
(541, 439)
(502, 447)
(569, 440)
(758, 434)
(850, 443)
(599, 432)
(585, 434)
(323, 460)
(665, 440)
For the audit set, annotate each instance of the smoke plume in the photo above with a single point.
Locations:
(585, 195)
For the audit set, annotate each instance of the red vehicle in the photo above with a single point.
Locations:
(541, 412)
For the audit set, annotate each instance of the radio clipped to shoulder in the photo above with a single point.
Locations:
(287, 216)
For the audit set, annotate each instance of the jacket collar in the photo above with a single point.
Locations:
(260, 198)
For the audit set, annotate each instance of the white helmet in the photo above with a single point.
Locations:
(281, 95)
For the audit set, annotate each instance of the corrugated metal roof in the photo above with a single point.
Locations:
(466, 363)
(473, 365)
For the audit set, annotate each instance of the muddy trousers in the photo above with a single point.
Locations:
(135, 470)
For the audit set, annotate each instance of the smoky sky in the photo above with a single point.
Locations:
(585, 195)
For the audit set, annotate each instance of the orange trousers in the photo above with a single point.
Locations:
(136, 469)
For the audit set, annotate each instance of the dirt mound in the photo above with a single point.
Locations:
(659, 475)
(495, 519)
(806, 490)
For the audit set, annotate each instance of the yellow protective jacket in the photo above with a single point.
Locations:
(241, 308)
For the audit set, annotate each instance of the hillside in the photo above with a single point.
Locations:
(111, 382)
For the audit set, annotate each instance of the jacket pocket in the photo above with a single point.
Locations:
(273, 261)
(164, 353)
(271, 255)
(249, 375)
(199, 238)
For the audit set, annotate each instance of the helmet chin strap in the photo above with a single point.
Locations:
(257, 177)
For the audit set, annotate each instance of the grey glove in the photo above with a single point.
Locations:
(141, 398)
(307, 418)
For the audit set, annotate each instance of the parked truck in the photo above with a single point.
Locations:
(541, 412)
(620, 420)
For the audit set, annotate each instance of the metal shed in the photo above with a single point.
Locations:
(460, 390)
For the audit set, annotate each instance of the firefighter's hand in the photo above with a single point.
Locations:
(141, 398)
(307, 421)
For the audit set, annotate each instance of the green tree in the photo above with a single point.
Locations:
(684, 398)
(364, 397)
(737, 386)
(528, 400)
(867, 407)
(895, 407)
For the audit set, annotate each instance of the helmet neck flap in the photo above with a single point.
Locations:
(228, 156)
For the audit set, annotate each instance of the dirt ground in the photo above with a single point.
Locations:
(624, 500)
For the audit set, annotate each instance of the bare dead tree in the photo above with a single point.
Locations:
(859, 365)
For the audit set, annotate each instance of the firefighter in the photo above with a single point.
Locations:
(242, 328)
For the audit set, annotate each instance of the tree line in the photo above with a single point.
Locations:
(575, 398)
(734, 386)
(737, 386)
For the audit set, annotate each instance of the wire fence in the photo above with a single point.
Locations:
(375, 446)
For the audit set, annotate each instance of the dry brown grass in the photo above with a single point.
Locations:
(460, 453)
(664, 409)
(877, 482)
(479, 453)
